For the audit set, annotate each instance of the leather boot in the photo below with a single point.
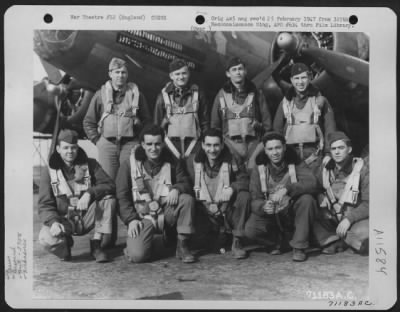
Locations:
(237, 250)
(70, 243)
(183, 252)
(299, 255)
(333, 248)
(97, 252)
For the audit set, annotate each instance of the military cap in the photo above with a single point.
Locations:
(233, 61)
(116, 63)
(273, 135)
(298, 68)
(176, 64)
(336, 136)
(69, 136)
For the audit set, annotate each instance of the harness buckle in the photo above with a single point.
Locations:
(181, 110)
(73, 201)
(354, 196)
(237, 115)
(197, 193)
(54, 186)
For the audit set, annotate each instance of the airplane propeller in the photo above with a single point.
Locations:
(342, 65)
(267, 72)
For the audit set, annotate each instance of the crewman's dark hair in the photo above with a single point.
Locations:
(151, 130)
(269, 136)
(212, 132)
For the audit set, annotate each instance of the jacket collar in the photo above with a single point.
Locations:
(225, 156)
(290, 157)
(165, 156)
(56, 162)
(228, 87)
(311, 91)
(189, 87)
(347, 167)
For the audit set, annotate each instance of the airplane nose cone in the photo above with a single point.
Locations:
(286, 42)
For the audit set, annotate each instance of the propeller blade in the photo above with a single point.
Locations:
(267, 72)
(53, 73)
(342, 65)
(56, 129)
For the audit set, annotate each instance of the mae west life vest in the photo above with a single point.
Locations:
(341, 191)
(183, 121)
(118, 119)
(73, 190)
(269, 186)
(240, 118)
(302, 124)
(148, 192)
(209, 190)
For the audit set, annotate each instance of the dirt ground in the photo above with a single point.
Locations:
(214, 277)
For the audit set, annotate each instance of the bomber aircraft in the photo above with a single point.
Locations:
(77, 61)
(339, 62)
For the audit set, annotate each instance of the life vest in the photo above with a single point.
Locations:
(209, 190)
(302, 124)
(341, 191)
(269, 186)
(148, 192)
(183, 121)
(71, 189)
(240, 118)
(118, 119)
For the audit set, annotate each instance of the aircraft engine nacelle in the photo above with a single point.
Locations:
(72, 101)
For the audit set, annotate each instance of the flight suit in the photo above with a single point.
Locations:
(299, 212)
(306, 121)
(181, 216)
(208, 183)
(56, 205)
(184, 114)
(355, 207)
(244, 117)
(113, 122)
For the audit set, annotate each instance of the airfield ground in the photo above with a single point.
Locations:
(214, 277)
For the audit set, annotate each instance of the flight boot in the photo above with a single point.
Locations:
(70, 243)
(299, 255)
(237, 250)
(183, 252)
(331, 249)
(97, 251)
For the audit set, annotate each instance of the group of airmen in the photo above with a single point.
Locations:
(192, 171)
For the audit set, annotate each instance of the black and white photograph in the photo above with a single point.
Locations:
(228, 161)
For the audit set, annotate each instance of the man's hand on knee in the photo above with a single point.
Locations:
(172, 198)
(134, 228)
(343, 227)
(56, 229)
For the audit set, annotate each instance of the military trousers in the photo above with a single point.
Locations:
(325, 233)
(112, 154)
(98, 216)
(298, 220)
(233, 219)
(139, 248)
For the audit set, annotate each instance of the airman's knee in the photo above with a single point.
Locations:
(137, 255)
(187, 200)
